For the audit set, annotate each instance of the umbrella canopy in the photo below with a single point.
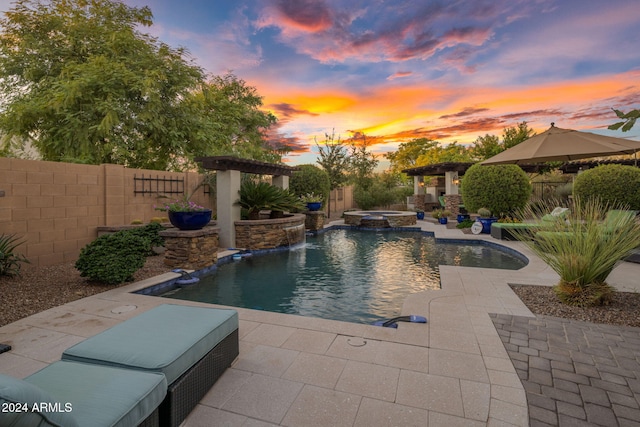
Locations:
(556, 144)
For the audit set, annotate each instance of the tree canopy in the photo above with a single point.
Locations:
(84, 84)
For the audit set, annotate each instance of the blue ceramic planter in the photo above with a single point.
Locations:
(443, 221)
(486, 224)
(190, 220)
(314, 206)
(420, 215)
(462, 217)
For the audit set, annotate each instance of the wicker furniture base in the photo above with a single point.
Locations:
(153, 420)
(185, 392)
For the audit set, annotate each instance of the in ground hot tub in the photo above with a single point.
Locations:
(380, 219)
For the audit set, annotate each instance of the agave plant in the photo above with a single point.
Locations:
(584, 249)
(10, 262)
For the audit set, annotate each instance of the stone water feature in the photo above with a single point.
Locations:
(380, 219)
(270, 233)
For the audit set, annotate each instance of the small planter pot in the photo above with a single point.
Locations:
(420, 215)
(462, 217)
(443, 221)
(486, 224)
(190, 220)
(314, 206)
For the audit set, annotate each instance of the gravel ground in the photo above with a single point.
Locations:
(38, 289)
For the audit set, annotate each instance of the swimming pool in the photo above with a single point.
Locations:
(353, 276)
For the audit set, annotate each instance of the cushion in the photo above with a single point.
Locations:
(18, 399)
(102, 395)
(169, 338)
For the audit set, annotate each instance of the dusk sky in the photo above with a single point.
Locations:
(396, 70)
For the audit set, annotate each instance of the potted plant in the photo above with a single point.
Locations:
(486, 220)
(257, 196)
(185, 214)
(420, 214)
(442, 215)
(312, 200)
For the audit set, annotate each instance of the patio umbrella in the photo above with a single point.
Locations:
(556, 144)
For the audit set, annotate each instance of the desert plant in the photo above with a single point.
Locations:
(113, 258)
(484, 213)
(10, 261)
(584, 249)
(440, 213)
(500, 188)
(256, 196)
(615, 185)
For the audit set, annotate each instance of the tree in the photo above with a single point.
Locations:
(514, 135)
(362, 162)
(334, 159)
(408, 153)
(450, 153)
(628, 120)
(485, 147)
(84, 84)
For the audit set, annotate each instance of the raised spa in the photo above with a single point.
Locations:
(379, 219)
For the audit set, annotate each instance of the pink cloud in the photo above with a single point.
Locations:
(399, 75)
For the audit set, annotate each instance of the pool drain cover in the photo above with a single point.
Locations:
(356, 342)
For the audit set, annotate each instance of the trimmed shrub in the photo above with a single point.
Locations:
(502, 189)
(615, 185)
(310, 179)
(113, 258)
(150, 234)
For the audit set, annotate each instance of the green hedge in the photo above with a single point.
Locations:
(501, 188)
(310, 179)
(616, 185)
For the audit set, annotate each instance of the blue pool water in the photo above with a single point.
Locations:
(354, 276)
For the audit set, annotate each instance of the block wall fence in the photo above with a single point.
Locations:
(57, 207)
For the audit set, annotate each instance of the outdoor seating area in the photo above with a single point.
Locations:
(148, 371)
(510, 230)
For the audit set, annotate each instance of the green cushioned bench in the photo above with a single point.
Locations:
(70, 394)
(191, 346)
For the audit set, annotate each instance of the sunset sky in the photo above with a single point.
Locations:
(396, 70)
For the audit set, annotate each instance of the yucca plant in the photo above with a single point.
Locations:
(584, 248)
(10, 262)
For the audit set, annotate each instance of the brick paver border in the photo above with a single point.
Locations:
(574, 373)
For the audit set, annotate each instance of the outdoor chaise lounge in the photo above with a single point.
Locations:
(150, 370)
(508, 230)
(191, 346)
(74, 394)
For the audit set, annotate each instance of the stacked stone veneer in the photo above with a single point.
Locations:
(362, 219)
(314, 220)
(452, 203)
(190, 249)
(270, 233)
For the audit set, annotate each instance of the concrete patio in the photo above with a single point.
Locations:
(298, 371)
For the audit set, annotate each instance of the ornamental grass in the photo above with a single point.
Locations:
(583, 247)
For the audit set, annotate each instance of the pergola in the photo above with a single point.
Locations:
(228, 183)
